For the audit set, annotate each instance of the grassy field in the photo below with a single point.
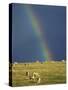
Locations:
(51, 72)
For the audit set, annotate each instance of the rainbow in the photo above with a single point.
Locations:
(38, 30)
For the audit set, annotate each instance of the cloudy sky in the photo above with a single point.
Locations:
(26, 22)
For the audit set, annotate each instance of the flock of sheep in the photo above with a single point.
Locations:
(35, 77)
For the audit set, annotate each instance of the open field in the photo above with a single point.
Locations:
(51, 72)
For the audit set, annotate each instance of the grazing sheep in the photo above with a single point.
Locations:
(35, 77)
(27, 74)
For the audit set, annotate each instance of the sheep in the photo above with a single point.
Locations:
(35, 77)
(63, 60)
(36, 74)
(27, 74)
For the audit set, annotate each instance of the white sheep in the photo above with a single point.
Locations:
(35, 77)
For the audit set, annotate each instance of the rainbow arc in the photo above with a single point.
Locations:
(38, 30)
